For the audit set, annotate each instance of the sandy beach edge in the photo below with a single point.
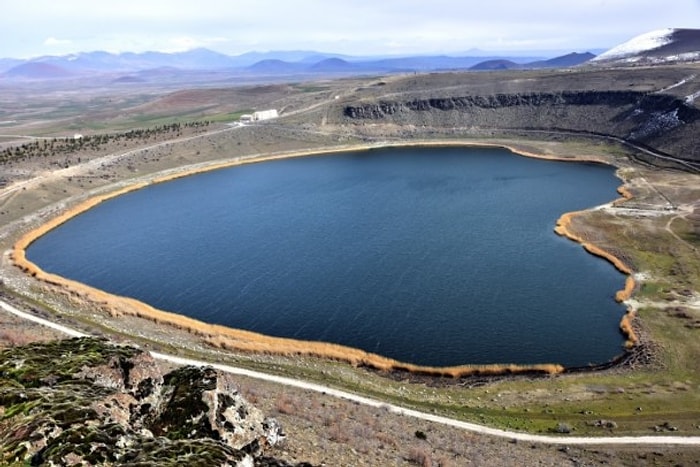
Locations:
(247, 341)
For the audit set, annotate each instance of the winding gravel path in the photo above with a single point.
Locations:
(568, 440)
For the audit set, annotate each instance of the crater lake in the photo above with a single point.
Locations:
(432, 256)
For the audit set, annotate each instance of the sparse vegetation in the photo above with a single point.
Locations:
(85, 401)
(72, 148)
(656, 391)
(419, 456)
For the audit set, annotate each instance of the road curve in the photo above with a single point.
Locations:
(512, 435)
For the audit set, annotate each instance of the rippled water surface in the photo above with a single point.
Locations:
(431, 256)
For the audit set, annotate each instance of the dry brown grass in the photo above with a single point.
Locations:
(625, 193)
(628, 330)
(286, 405)
(12, 338)
(15, 331)
(419, 456)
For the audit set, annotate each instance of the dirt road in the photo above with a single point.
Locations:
(568, 440)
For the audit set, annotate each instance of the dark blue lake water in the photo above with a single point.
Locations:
(439, 256)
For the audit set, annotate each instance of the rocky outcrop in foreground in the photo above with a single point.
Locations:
(86, 401)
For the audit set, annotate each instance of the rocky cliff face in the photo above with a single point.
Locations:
(643, 101)
(87, 402)
(662, 122)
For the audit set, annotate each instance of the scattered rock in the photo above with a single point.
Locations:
(665, 427)
(562, 428)
(609, 424)
(86, 401)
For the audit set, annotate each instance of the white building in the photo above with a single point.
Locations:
(265, 114)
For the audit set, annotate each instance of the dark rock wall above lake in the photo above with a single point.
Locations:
(661, 122)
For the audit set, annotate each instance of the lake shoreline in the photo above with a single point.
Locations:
(246, 341)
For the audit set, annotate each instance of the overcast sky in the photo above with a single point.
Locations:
(30, 28)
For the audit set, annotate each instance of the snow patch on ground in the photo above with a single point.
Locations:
(680, 83)
(642, 276)
(658, 123)
(691, 98)
(684, 57)
(649, 41)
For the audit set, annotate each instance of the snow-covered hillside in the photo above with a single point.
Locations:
(642, 43)
(660, 46)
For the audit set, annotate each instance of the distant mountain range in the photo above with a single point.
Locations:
(564, 61)
(655, 47)
(130, 67)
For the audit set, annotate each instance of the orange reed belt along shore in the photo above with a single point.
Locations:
(247, 341)
(563, 228)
